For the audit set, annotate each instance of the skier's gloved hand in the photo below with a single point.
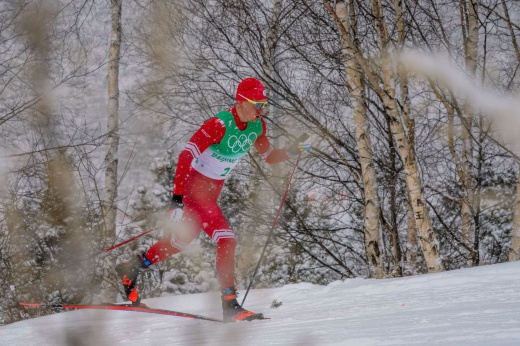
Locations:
(298, 146)
(176, 208)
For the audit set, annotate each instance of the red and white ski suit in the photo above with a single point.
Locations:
(200, 195)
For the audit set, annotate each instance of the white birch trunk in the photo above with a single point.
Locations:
(409, 122)
(514, 249)
(468, 220)
(111, 159)
(357, 92)
(428, 239)
(410, 266)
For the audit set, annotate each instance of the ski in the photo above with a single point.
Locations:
(123, 307)
(139, 308)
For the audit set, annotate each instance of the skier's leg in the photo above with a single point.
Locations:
(225, 261)
(203, 203)
(167, 247)
(129, 270)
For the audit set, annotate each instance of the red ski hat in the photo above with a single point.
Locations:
(252, 89)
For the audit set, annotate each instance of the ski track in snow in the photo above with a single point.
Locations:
(476, 306)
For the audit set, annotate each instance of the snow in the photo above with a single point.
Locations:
(476, 306)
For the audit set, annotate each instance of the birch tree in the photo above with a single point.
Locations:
(514, 249)
(469, 19)
(112, 142)
(428, 239)
(357, 91)
(409, 123)
(111, 158)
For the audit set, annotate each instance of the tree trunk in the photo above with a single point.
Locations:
(514, 249)
(357, 92)
(427, 237)
(429, 242)
(468, 220)
(111, 158)
(394, 233)
(410, 266)
(409, 122)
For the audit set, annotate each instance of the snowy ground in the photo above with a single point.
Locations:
(477, 306)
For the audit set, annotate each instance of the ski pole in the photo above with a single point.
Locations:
(129, 240)
(272, 228)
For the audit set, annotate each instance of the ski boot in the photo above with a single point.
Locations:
(232, 311)
(128, 271)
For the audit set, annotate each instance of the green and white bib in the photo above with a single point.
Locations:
(219, 159)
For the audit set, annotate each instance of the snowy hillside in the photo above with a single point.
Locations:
(477, 306)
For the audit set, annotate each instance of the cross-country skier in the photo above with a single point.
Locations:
(203, 165)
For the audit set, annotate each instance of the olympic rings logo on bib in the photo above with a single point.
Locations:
(242, 142)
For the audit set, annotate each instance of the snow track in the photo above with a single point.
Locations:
(477, 306)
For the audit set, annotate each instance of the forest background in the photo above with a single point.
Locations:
(412, 107)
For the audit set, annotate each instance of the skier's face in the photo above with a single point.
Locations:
(247, 112)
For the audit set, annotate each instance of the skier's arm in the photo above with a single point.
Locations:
(211, 132)
(268, 153)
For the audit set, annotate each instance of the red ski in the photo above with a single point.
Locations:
(140, 308)
(123, 307)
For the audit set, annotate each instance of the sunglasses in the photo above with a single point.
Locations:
(257, 104)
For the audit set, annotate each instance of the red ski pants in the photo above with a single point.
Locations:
(201, 212)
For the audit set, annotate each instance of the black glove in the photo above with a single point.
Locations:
(176, 208)
(297, 147)
(176, 202)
